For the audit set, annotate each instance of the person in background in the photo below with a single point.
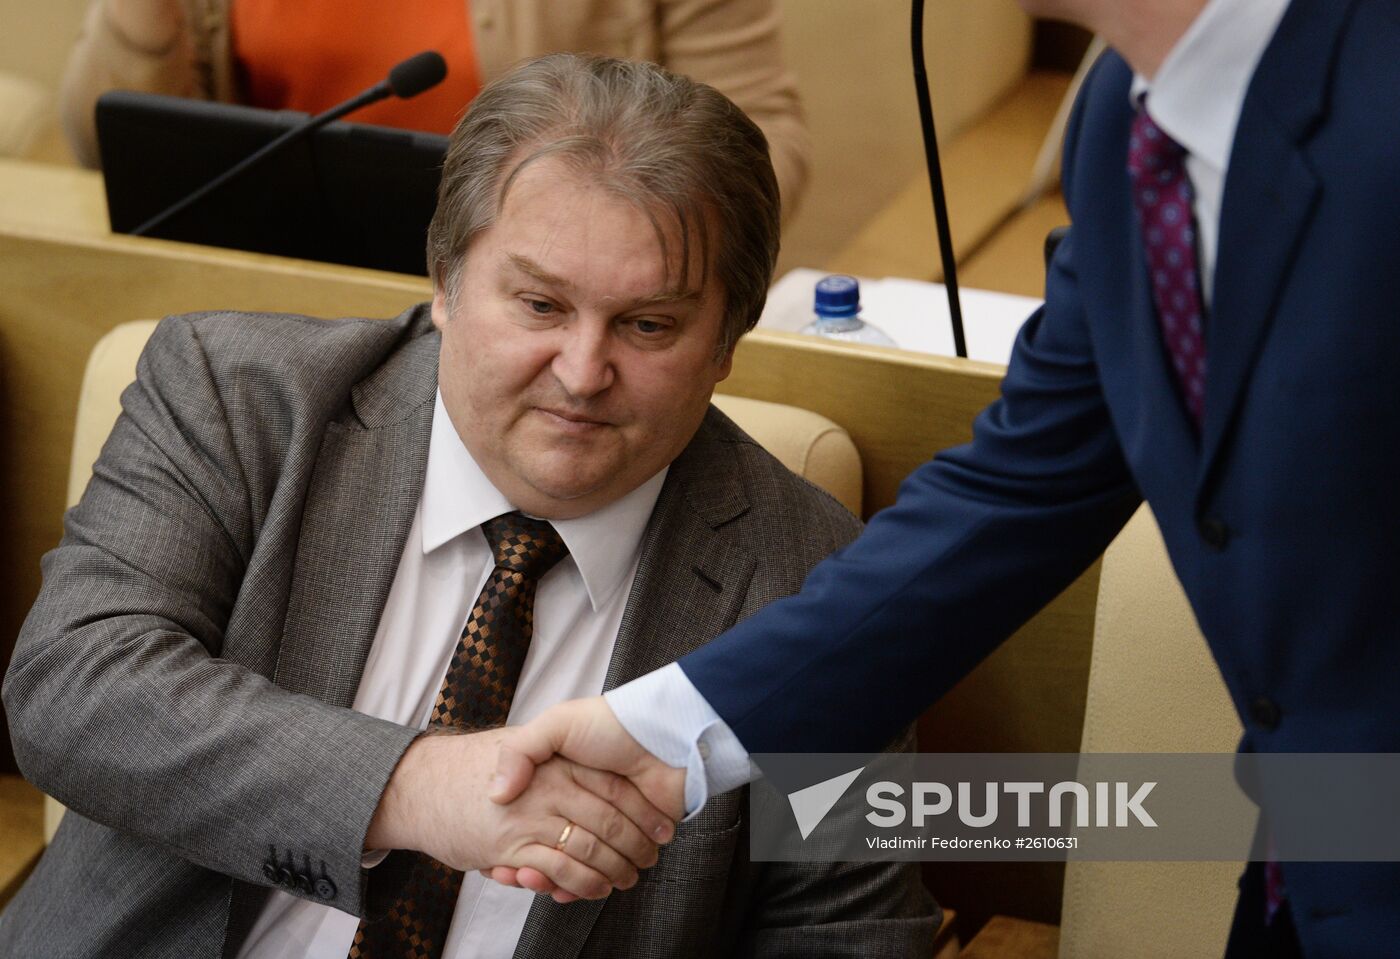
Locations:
(309, 55)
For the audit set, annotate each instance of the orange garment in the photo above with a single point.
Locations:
(309, 55)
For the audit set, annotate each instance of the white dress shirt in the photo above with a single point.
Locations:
(1196, 98)
(445, 562)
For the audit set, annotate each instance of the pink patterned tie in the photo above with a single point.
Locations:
(1162, 194)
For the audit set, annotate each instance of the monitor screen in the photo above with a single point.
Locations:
(348, 193)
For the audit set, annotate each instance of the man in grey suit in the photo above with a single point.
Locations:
(258, 604)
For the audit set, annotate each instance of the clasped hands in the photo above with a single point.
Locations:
(568, 804)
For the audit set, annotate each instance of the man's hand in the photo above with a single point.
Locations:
(587, 732)
(436, 802)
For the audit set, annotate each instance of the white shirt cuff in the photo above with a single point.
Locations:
(666, 714)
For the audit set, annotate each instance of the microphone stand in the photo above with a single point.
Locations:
(935, 179)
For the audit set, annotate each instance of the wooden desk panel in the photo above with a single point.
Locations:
(53, 199)
(900, 407)
(1007, 938)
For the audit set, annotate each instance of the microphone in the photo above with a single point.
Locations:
(935, 180)
(419, 72)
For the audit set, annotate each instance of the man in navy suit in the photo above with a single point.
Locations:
(1220, 338)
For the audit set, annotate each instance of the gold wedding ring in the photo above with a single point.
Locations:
(564, 836)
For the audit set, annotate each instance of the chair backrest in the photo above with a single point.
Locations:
(1153, 687)
(110, 367)
(859, 101)
(808, 444)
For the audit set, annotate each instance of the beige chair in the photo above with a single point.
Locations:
(807, 443)
(810, 445)
(858, 95)
(1153, 687)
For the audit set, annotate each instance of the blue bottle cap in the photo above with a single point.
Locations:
(838, 295)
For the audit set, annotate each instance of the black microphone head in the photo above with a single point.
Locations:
(420, 72)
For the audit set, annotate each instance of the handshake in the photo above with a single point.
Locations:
(568, 804)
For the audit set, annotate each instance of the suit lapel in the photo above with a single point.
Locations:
(690, 582)
(1270, 192)
(360, 503)
(690, 587)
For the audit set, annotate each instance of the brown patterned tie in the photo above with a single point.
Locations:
(475, 694)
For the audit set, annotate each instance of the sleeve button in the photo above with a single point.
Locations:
(324, 889)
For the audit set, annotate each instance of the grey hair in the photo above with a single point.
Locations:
(679, 149)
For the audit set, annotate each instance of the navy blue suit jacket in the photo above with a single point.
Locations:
(1282, 519)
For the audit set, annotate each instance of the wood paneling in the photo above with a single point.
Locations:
(1005, 938)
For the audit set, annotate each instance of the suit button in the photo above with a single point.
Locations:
(324, 889)
(1214, 533)
(285, 878)
(1265, 712)
(303, 882)
(270, 871)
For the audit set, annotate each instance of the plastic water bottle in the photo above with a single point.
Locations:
(837, 305)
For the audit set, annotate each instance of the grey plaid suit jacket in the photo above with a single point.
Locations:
(184, 679)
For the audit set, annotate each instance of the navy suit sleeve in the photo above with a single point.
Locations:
(978, 540)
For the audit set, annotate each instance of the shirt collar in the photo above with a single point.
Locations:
(458, 497)
(1197, 93)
